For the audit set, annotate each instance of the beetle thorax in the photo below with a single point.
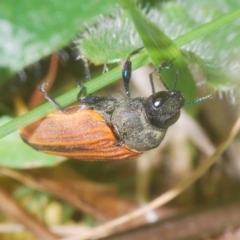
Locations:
(132, 126)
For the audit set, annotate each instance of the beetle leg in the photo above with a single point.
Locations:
(82, 91)
(127, 71)
(86, 67)
(49, 97)
(78, 55)
(126, 74)
(164, 65)
(151, 80)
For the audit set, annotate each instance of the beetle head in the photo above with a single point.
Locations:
(163, 108)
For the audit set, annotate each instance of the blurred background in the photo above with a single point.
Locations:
(66, 43)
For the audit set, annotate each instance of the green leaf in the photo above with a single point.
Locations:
(30, 30)
(16, 154)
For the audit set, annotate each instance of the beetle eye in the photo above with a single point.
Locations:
(159, 99)
(157, 103)
(163, 108)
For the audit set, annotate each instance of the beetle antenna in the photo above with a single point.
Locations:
(127, 71)
(49, 97)
(197, 100)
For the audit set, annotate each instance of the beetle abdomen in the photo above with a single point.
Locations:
(82, 134)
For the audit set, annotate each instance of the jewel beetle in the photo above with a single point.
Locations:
(106, 128)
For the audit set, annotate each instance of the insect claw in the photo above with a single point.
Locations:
(135, 52)
(82, 90)
(166, 64)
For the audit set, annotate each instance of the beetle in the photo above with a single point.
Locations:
(102, 128)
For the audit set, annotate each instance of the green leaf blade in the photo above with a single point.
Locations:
(160, 48)
(31, 30)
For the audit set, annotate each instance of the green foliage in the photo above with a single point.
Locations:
(31, 30)
(201, 30)
(16, 154)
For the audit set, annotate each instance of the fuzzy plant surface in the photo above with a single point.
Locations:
(213, 58)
